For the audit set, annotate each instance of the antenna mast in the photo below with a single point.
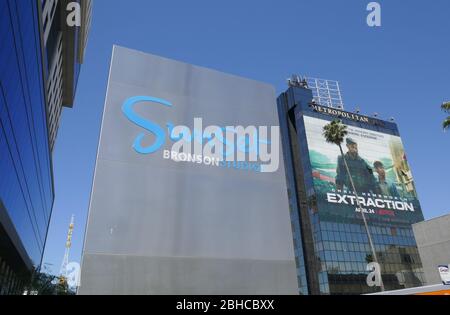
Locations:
(65, 262)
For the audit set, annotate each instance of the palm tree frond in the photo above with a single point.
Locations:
(335, 132)
(446, 123)
(446, 107)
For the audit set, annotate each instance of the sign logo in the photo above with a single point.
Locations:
(339, 113)
(234, 147)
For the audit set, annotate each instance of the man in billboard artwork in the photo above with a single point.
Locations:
(361, 172)
(386, 187)
(379, 169)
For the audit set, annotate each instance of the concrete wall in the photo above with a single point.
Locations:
(160, 227)
(433, 241)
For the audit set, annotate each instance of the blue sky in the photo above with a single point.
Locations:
(400, 70)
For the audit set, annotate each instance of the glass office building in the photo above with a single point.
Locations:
(26, 184)
(64, 47)
(331, 243)
(32, 86)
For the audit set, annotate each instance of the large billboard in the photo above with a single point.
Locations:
(171, 212)
(378, 166)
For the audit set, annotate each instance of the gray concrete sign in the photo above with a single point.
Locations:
(166, 223)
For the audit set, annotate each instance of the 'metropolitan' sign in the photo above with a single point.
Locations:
(189, 195)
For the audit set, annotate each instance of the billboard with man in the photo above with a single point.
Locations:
(378, 166)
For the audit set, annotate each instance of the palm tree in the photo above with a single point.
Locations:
(446, 108)
(335, 133)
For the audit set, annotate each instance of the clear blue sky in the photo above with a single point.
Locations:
(401, 69)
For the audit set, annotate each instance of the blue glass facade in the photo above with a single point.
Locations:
(333, 251)
(26, 180)
(293, 203)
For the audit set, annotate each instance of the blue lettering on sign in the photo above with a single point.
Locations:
(243, 144)
(159, 133)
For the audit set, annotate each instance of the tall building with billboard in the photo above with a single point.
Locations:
(40, 58)
(189, 194)
(331, 243)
